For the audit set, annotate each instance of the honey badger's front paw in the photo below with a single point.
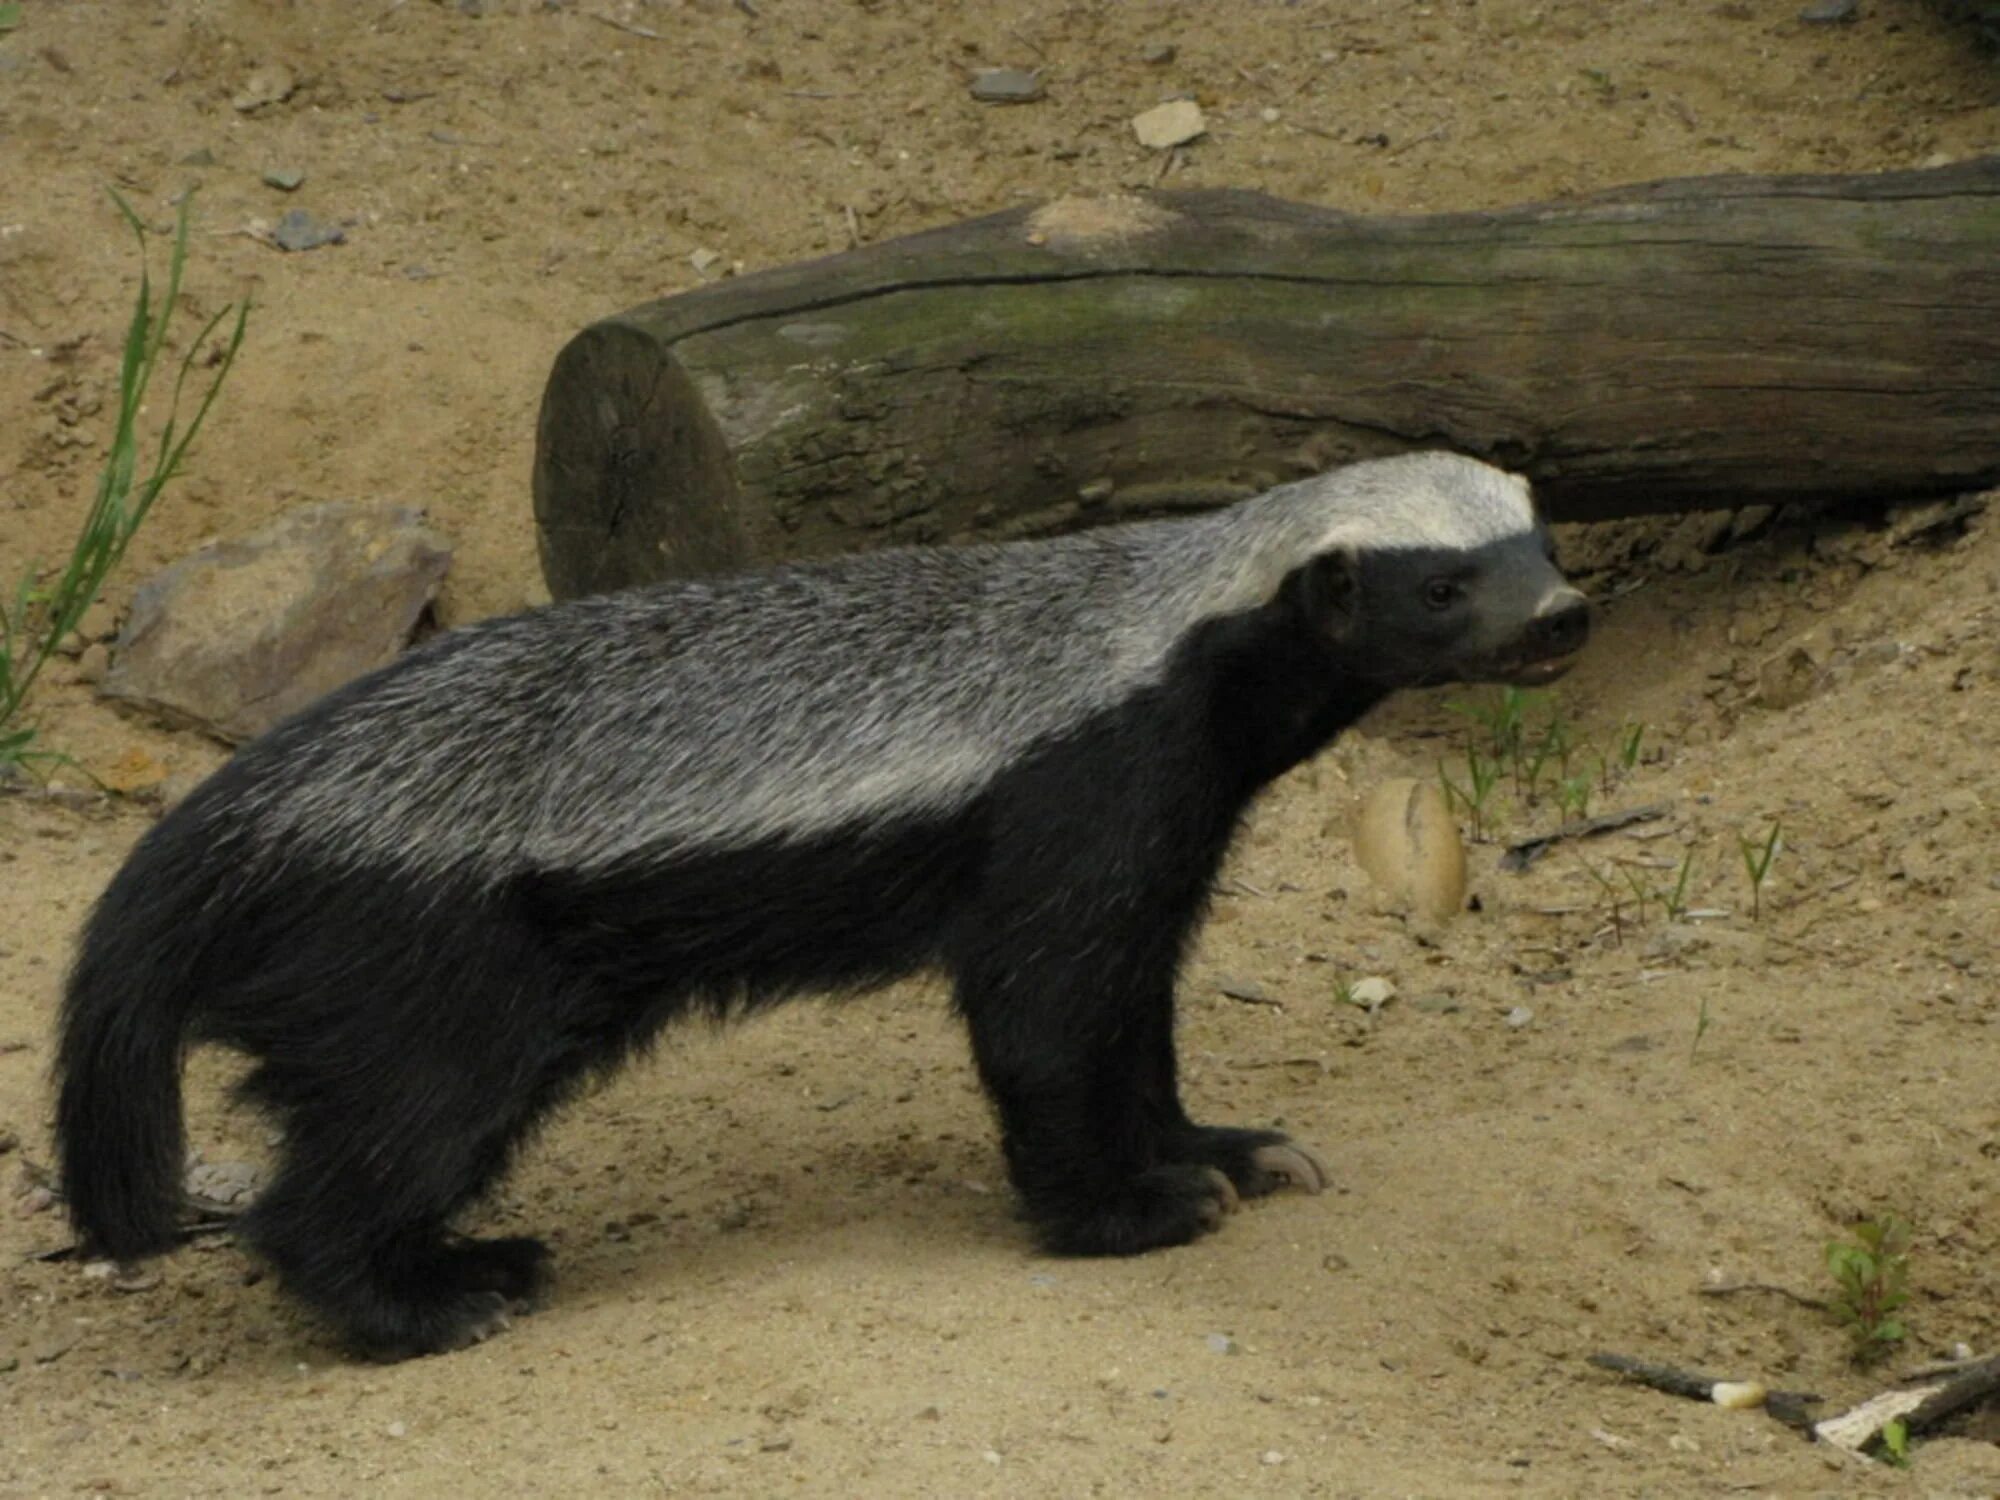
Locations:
(1167, 1205)
(1255, 1161)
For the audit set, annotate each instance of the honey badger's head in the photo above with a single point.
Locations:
(1437, 568)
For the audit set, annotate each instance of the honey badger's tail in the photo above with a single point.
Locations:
(118, 1066)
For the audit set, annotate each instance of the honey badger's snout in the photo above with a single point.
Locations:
(1559, 626)
(1548, 643)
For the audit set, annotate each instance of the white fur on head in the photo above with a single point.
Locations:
(1434, 500)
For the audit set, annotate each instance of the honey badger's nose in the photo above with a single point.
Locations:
(1560, 624)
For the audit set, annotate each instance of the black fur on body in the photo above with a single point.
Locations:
(433, 903)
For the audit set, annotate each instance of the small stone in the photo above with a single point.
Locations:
(1270, 115)
(299, 230)
(1158, 54)
(705, 260)
(94, 663)
(1222, 1343)
(285, 179)
(36, 1200)
(1006, 86)
(201, 156)
(1174, 123)
(1247, 990)
(397, 1429)
(1519, 1016)
(1372, 993)
(1437, 1005)
(273, 84)
(1830, 12)
(1271, 1458)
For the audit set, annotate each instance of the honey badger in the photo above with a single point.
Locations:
(430, 905)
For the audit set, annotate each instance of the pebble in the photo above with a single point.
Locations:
(285, 179)
(201, 156)
(1174, 123)
(1006, 86)
(1519, 1016)
(1437, 1005)
(704, 260)
(1272, 1458)
(398, 1429)
(1222, 1343)
(1158, 54)
(1830, 12)
(268, 85)
(93, 663)
(1247, 990)
(1372, 993)
(299, 230)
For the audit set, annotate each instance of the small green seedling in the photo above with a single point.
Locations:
(1605, 884)
(1482, 775)
(1757, 861)
(1573, 795)
(1676, 902)
(1896, 1443)
(39, 616)
(1871, 1277)
(1628, 747)
(1700, 1028)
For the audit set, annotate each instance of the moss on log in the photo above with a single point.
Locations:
(1681, 345)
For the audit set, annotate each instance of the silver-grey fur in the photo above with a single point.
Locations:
(677, 718)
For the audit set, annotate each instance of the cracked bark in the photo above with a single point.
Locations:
(1683, 345)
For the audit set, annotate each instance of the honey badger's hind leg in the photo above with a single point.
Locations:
(403, 1087)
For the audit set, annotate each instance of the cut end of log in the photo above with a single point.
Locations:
(633, 479)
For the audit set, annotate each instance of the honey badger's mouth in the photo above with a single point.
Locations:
(1538, 673)
(1519, 669)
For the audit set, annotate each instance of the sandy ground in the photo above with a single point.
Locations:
(788, 1259)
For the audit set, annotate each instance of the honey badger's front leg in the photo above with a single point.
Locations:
(1065, 961)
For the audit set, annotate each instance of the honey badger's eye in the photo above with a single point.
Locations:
(1442, 593)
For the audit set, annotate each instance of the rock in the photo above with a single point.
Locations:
(1519, 1016)
(1247, 990)
(1372, 993)
(1407, 842)
(1222, 1343)
(1830, 13)
(1006, 86)
(242, 633)
(201, 156)
(1158, 54)
(1789, 678)
(94, 663)
(704, 260)
(99, 622)
(1437, 1005)
(1168, 125)
(8, 1141)
(222, 1184)
(299, 230)
(285, 179)
(271, 84)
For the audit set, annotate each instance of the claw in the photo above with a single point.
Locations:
(1225, 1190)
(1297, 1166)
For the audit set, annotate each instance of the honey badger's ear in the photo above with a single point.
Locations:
(1326, 591)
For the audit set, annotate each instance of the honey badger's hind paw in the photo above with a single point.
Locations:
(1255, 1161)
(517, 1267)
(449, 1295)
(1161, 1206)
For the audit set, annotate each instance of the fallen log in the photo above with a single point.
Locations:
(1682, 345)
